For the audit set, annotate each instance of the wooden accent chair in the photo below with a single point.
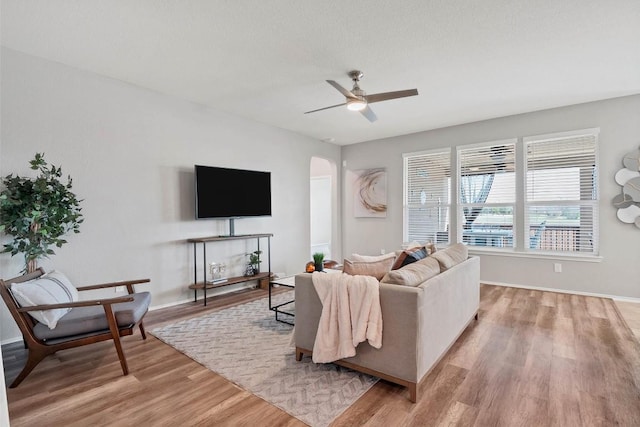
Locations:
(88, 321)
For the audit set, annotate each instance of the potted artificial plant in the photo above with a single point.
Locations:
(318, 258)
(37, 212)
(254, 261)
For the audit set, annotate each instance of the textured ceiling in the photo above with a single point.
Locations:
(268, 60)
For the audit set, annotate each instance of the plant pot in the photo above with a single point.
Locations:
(248, 271)
(319, 267)
(256, 269)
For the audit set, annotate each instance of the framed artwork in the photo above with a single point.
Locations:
(370, 193)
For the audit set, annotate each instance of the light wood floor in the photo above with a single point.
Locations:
(532, 359)
(630, 312)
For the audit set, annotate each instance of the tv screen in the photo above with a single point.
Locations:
(231, 193)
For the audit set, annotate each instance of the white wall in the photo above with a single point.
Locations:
(4, 407)
(618, 272)
(131, 153)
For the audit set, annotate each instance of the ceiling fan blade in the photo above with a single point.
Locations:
(369, 114)
(326, 108)
(342, 90)
(385, 96)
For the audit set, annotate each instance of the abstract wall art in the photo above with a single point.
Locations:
(370, 193)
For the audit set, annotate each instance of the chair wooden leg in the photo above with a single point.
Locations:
(33, 359)
(141, 326)
(115, 333)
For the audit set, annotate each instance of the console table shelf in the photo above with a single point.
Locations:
(204, 284)
(231, 281)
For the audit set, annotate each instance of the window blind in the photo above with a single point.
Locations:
(561, 206)
(486, 196)
(427, 190)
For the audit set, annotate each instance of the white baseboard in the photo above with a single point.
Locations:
(171, 304)
(11, 340)
(563, 291)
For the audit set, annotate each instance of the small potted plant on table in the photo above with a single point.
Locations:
(254, 262)
(318, 258)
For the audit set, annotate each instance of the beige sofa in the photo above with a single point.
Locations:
(419, 323)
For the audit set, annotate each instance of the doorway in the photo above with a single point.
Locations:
(321, 186)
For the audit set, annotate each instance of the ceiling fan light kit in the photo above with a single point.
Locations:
(357, 100)
(356, 104)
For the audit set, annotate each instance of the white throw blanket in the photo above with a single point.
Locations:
(351, 313)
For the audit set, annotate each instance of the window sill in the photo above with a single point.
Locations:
(534, 255)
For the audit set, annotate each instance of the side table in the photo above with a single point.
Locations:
(289, 282)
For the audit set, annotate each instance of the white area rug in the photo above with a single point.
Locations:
(247, 346)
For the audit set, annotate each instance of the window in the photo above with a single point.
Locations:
(427, 190)
(487, 194)
(561, 204)
(529, 194)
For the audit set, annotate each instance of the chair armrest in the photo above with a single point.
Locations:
(127, 283)
(76, 304)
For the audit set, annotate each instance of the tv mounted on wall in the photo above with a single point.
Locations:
(231, 193)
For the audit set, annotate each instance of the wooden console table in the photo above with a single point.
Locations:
(204, 284)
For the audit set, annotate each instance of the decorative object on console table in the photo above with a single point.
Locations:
(254, 262)
(318, 257)
(218, 272)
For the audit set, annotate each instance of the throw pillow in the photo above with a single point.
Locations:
(451, 256)
(411, 245)
(372, 258)
(375, 269)
(409, 256)
(51, 288)
(413, 274)
(431, 248)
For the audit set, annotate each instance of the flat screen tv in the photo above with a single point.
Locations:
(231, 193)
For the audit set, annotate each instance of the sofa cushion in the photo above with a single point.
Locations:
(50, 288)
(413, 274)
(409, 256)
(451, 256)
(375, 269)
(372, 258)
(91, 319)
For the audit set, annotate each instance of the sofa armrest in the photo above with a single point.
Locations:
(308, 310)
(451, 300)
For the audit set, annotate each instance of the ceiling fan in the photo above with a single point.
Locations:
(358, 100)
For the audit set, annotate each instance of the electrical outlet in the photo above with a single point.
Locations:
(121, 289)
(557, 267)
(382, 251)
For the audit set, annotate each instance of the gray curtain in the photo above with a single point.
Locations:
(474, 189)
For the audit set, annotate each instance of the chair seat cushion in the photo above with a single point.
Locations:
(92, 319)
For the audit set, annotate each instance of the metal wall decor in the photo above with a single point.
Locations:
(628, 202)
